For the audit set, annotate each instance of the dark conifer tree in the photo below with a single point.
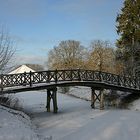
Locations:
(128, 27)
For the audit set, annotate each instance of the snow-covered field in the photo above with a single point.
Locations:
(74, 120)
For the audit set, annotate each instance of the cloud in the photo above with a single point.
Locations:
(21, 8)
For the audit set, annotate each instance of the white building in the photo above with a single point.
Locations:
(22, 69)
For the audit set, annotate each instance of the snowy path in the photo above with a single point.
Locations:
(76, 120)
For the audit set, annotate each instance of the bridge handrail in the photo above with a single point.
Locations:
(30, 78)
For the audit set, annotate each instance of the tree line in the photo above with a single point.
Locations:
(70, 54)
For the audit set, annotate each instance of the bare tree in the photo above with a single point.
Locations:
(102, 56)
(6, 49)
(68, 54)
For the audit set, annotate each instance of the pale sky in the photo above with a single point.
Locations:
(39, 25)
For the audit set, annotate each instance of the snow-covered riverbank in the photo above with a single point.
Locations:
(15, 125)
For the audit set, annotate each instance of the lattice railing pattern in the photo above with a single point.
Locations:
(54, 76)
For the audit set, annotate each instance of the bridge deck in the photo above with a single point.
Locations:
(95, 85)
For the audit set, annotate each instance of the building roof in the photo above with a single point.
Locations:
(22, 69)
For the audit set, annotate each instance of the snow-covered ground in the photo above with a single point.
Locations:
(135, 105)
(81, 92)
(15, 125)
(76, 120)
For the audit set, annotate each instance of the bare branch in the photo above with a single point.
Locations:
(6, 49)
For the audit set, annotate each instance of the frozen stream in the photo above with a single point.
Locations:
(76, 120)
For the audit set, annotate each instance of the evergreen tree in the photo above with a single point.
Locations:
(128, 27)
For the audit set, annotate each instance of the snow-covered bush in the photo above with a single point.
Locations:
(111, 98)
(10, 101)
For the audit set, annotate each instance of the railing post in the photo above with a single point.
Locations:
(86, 75)
(93, 75)
(124, 80)
(63, 75)
(79, 76)
(118, 78)
(1, 82)
(30, 79)
(24, 83)
(100, 78)
(135, 81)
(48, 76)
(138, 82)
(56, 79)
(71, 77)
(112, 76)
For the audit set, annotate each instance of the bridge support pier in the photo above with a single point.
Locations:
(97, 97)
(101, 99)
(52, 94)
(93, 98)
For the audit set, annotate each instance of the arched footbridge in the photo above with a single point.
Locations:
(51, 79)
